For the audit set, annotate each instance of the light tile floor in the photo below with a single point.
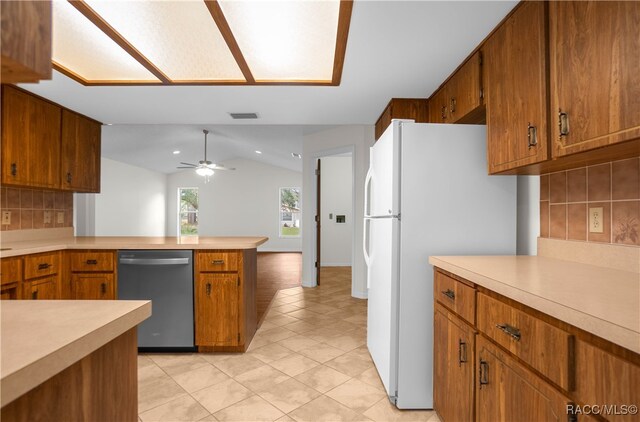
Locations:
(307, 362)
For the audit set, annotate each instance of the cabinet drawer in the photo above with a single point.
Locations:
(456, 296)
(41, 265)
(11, 271)
(546, 348)
(91, 261)
(217, 261)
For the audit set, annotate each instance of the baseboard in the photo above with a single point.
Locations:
(360, 295)
(311, 283)
(335, 264)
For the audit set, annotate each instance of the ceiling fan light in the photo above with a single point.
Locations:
(204, 171)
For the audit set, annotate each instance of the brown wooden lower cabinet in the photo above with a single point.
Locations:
(506, 391)
(10, 291)
(454, 348)
(217, 309)
(93, 286)
(45, 288)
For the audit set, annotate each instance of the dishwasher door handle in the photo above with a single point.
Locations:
(154, 261)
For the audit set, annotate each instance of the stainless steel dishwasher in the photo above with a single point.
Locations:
(166, 278)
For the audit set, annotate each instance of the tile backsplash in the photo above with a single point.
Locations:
(567, 196)
(29, 207)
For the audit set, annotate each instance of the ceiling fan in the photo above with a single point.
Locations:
(205, 167)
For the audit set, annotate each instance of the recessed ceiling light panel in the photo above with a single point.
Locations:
(78, 45)
(258, 152)
(285, 40)
(296, 155)
(176, 152)
(179, 37)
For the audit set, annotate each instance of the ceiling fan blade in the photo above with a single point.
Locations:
(185, 167)
(220, 167)
(189, 164)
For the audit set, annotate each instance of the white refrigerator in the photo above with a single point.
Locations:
(427, 192)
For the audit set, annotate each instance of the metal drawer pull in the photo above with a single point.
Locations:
(218, 262)
(484, 373)
(43, 266)
(449, 293)
(443, 112)
(511, 331)
(563, 123)
(462, 352)
(208, 289)
(92, 262)
(452, 105)
(532, 136)
(103, 288)
(34, 295)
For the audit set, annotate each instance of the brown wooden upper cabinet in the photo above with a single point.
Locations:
(26, 41)
(46, 146)
(461, 97)
(80, 169)
(516, 90)
(402, 108)
(438, 109)
(30, 140)
(595, 74)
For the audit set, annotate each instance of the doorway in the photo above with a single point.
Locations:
(334, 217)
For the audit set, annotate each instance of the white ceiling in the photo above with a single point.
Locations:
(395, 49)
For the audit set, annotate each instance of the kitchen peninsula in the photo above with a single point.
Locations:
(61, 266)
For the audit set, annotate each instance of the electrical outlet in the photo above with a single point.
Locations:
(6, 218)
(60, 217)
(47, 217)
(596, 220)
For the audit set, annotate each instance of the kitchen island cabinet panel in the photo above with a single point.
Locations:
(594, 74)
(217, 306)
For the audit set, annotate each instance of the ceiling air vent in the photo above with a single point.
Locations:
(244, 115)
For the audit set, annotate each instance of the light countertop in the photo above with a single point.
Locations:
(26, 247)
(599, 300)
(41, 338)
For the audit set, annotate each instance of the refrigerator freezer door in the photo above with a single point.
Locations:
(383, 183)
(382, 278)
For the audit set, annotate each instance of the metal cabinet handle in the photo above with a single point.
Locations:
(208, 289)
(513, 332)
(532, 136)
(68, 177)
(34, 295)
(443, 112)
(563, 123)
(218, 262)
(449, 293)
(14, 169)
(484, 373)
(43, 266)
(92, 262)
(103, 288)
(452, 105)
(462, 352)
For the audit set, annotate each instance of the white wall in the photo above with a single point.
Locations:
(336, 198)
(355, 139)
(244, 202)
(528, 218)
(131, 202)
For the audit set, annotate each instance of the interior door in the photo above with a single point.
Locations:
(382, 312)
(318, 214)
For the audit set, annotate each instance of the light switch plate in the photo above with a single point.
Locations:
(6, 218)
(47, 217)
(60, 217)
(596, 220)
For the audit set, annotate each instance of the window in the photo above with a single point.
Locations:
(188, 211)
(289, 215)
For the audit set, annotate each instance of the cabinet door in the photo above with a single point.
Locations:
(453, 367)
(438, 107)
(509, 392)
(42, 289)
(464, 89)
(30, 140)
(92, 286)
(80, 169)
(217, 310)
(595, 73)
(10, 291)
(516, 90)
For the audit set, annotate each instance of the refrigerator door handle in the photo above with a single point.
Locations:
(367, 183)
(365, 243)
